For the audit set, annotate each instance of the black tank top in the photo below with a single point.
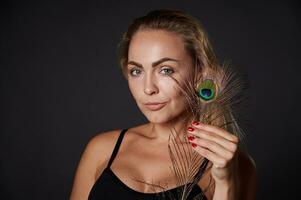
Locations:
(109, 187)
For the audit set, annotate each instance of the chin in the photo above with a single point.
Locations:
(158, 120)
(156, 117)
(161, 116)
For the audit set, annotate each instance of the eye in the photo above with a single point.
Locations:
(167, 71)
(135, 71)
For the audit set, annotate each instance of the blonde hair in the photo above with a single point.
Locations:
(189, 28)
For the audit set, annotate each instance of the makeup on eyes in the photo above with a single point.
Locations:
(164, 68)
(133, 69)
(171, 70)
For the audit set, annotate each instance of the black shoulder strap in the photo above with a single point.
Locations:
(116, 148)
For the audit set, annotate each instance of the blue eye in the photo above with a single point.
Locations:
(167, 71)
(135, 72)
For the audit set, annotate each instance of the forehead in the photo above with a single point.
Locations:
(150, 45)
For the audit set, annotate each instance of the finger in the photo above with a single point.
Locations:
(214, 138)
(213, 147)
(221, 132)
(214, 158)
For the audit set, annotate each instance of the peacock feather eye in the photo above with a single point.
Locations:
(207, 90)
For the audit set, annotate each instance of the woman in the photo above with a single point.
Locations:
(166, 57)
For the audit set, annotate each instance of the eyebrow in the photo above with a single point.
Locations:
(154, 63)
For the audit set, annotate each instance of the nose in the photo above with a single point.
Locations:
(150, 87)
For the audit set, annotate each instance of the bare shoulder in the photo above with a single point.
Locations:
(99, 149)
(103, 140)
(247, 175)
(93, 160)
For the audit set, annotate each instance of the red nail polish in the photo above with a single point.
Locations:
(190, 129)
(191, 138)
(193, 145)
(195, 123)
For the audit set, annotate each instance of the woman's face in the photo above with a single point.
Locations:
(157, 60)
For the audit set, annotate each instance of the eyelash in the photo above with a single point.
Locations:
(167, 68)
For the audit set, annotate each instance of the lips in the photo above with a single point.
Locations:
(153, 106)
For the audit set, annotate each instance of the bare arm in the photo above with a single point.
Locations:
(244, 185)
(233, 171)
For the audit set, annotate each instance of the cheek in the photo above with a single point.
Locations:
(171, 90)
(179, 97)
(135, 88)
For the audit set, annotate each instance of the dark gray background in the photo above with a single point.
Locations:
(61, 85)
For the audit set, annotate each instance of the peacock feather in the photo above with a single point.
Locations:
(211, 99)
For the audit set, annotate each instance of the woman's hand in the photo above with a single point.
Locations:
(218, 146)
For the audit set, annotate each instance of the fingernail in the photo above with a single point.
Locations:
(195, 123)
(190, 129)
(191, 138)
(193, 145)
